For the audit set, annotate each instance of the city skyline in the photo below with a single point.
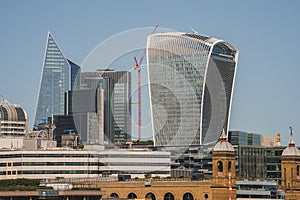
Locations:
(265, 94)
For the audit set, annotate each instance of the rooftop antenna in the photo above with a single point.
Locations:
(291, 128)
(291, 142)
(192, 29)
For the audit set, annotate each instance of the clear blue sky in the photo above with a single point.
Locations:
(266, 96)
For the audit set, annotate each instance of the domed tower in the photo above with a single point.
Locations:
(290, 166)
(13, 120)
(223, 161)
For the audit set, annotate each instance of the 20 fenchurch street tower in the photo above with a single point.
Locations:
(191, 83)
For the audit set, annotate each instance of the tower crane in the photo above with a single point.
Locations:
(137, 67)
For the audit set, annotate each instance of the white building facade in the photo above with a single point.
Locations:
(55, 163)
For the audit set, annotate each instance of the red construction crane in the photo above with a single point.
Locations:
(137, 67)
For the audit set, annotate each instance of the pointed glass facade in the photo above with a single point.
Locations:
(58, 76)
(191, 82)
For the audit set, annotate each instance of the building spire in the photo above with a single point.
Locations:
(223, 137)
(291, 142)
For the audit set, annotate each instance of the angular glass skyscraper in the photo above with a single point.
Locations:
(58, 76)
(191, 82)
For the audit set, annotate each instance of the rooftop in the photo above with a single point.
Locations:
(223, 144)
(291, 150)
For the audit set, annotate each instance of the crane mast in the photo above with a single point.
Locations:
(137, 67)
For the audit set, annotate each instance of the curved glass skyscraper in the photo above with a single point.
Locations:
(191, 82)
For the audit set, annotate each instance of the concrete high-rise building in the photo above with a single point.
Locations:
(244, 138)
(251, 161)
(273, 163)
(191, 83)
(117, 101)
(58, 76)
(238, 137)
(86, 106)
(271, 140)
(250, 155)
(254, 139)
(64, 126)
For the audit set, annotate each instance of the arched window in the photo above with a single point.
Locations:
(150, 196)
(169, 196)
(206, 196)
(220, 166)
(131, 196)
(188, 196)
(229, 166)
(114, 195)
(298, 170)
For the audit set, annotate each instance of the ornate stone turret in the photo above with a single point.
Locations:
(223, 158)
(290, 169)
(291, 150)
(223, 144)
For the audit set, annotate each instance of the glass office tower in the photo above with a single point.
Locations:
(91, 105)
(117, 101)
(191, 82)
(58, 76)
